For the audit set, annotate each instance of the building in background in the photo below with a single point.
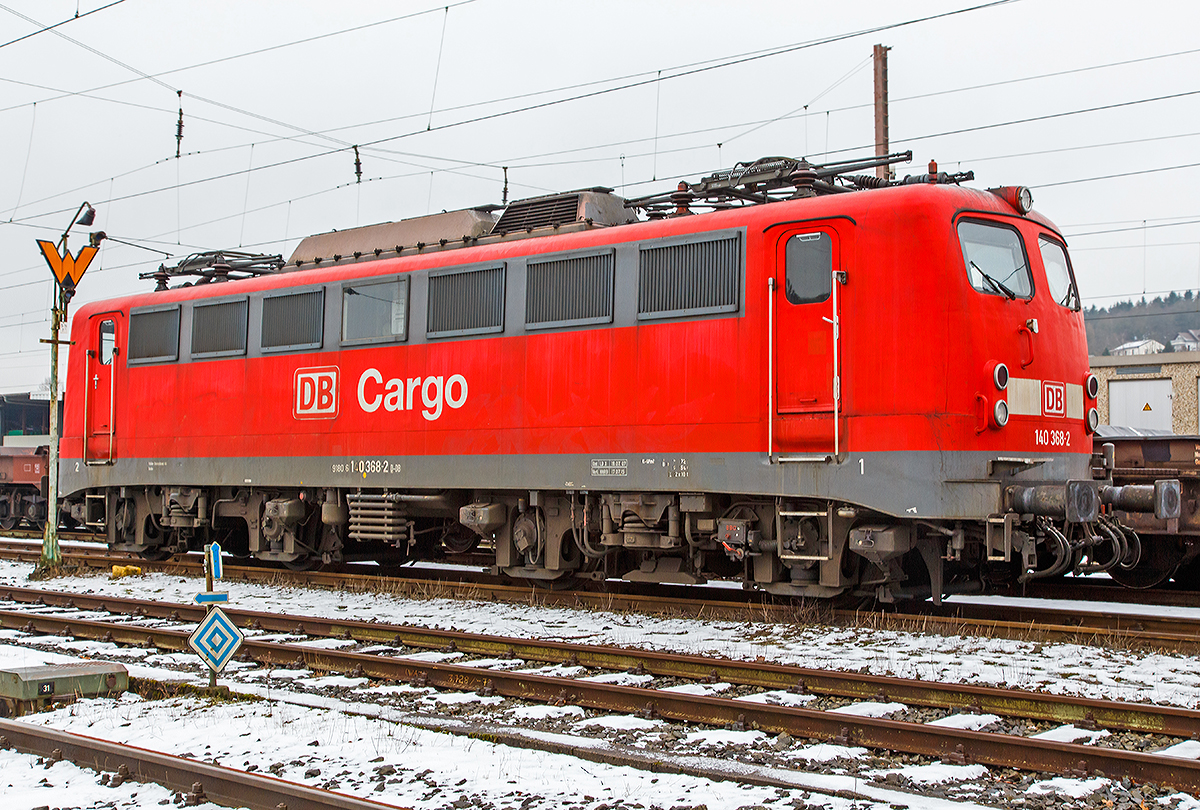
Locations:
(1145, 346)
(1188, 341)
(1160, 392)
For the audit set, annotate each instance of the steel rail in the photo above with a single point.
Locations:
(225, 786)
(954, 745)
(1082, 712)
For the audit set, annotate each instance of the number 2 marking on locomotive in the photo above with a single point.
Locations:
(76, 466)
(862, 466)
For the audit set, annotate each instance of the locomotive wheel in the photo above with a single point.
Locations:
(308, 563)
(157, 554)
(9, 523)
(460, 540)
(1160, 558)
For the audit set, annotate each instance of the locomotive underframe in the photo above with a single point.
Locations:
(639, 524)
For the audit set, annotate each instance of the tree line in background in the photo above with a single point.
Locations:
(1161, 319)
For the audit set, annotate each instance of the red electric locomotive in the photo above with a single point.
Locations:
(824, 383)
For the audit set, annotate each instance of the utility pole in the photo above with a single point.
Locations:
(881, 109)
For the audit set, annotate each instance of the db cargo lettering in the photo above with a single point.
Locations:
(315, 394)
(399, 394)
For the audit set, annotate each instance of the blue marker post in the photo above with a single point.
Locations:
(217, 638)
(212, 570)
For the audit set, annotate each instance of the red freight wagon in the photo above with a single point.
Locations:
(23, 481)
(820, 386)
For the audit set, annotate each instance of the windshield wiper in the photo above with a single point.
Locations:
(996, 285)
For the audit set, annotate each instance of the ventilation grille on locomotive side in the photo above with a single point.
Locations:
(293, 321)
(694, 278)
(466, 302)
(154, 334)
(569, 292)
(220, 329)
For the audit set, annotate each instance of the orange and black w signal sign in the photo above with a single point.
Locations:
(67, 269)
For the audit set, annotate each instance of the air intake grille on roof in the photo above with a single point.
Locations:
(154, 335)
(469, 302)
(293, 321)
(571, 292)
(538, 213)
(219, 328)
(694, 278)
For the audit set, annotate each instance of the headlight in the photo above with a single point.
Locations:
(1092, 386)
(1024, 200)
(1093, 420)
(1019, 197)
(1000, 413)
(1000, 376)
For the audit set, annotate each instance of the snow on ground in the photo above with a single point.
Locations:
(870, 709)
(436, 770)
(1056, 668)
(970, 722)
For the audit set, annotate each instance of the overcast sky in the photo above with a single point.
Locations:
(632, 94)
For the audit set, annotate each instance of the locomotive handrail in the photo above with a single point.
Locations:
(770, 369)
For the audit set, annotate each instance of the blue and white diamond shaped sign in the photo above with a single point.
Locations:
(216, 640)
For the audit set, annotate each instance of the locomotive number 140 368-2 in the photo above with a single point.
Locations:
(1052, 438)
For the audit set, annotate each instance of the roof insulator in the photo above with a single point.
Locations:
(358, 254)
(420, 245)
(399, 248)
(443, 242)
(337, 257)
(378, 251)
(318, 260)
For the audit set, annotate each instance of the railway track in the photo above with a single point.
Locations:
(125, 624)
(1111, 628)
(198, 782)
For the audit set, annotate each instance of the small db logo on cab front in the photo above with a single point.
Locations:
(1054, 399)
(316, 393)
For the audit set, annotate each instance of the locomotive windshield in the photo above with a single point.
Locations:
(1058, 273)
(995, 260)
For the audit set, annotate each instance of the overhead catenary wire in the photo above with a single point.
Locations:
(1020, 79)
(46, 28)
(993, 125)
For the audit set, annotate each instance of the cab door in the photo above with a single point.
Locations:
(105, 335)
(806, 339)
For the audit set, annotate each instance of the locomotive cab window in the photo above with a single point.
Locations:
(108, 341)
(375, 311)
(809, 258)
(1059, 277)
(995, 259)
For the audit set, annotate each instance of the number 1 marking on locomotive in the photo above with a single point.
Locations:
(862, 466)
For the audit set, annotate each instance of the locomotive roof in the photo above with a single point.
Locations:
(305, 268)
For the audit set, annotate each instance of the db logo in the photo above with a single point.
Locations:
(1054, 399)
(316, 393)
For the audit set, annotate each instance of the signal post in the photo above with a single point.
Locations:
(67, 270)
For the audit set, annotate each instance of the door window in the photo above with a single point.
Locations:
(809, 278)
(108, 341)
